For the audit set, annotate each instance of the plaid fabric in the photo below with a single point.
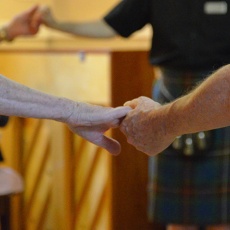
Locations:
(190, 190)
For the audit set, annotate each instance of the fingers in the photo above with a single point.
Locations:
(32, 10)
(44, 9)
(119, 112)
(107, 116)
(135, 102)
(31, 20)
(127, 129)
(109, 144)
(132, 103)
(45, 14)
(124, 128)
(34, 26)
(37, 13)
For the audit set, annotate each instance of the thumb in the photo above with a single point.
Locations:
(133, 104)
(109, 144)
(32, 10)
(119, 112)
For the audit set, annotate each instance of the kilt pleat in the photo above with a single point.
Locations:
(191, 190)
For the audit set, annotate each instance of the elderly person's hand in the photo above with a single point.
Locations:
(144, 126)
(87, 120)
(23, 24)
(92, 121)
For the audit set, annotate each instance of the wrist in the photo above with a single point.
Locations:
(178, 116)
(67, 110)
(168, 120)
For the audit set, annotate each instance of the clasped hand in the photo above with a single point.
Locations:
(92, 121)
(142, 121)
(144, 126)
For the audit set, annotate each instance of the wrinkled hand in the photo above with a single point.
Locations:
(144, 126)
(24, 24)
(92, 121)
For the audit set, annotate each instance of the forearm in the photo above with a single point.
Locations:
(94, 29)
(205, 108)
(19, 100)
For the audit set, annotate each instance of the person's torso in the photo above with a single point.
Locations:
(190, 34)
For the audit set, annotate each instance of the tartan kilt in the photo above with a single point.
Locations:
(191, 190)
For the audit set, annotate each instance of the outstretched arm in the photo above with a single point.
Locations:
(151, 127)
(89, 121)
(94, 29)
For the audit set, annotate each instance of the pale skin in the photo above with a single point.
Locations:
(88, 121)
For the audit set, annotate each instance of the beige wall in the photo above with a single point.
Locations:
(65, 9)
(79, 76)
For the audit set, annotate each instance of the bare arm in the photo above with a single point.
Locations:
(205, 108)
(97, 29)
(151, 127)
(19, 100)
(89, 121)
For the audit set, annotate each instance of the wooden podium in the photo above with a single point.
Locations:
(132, 77)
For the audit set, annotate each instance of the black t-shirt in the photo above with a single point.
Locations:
(187, 35)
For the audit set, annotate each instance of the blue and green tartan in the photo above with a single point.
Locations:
(190, 190)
